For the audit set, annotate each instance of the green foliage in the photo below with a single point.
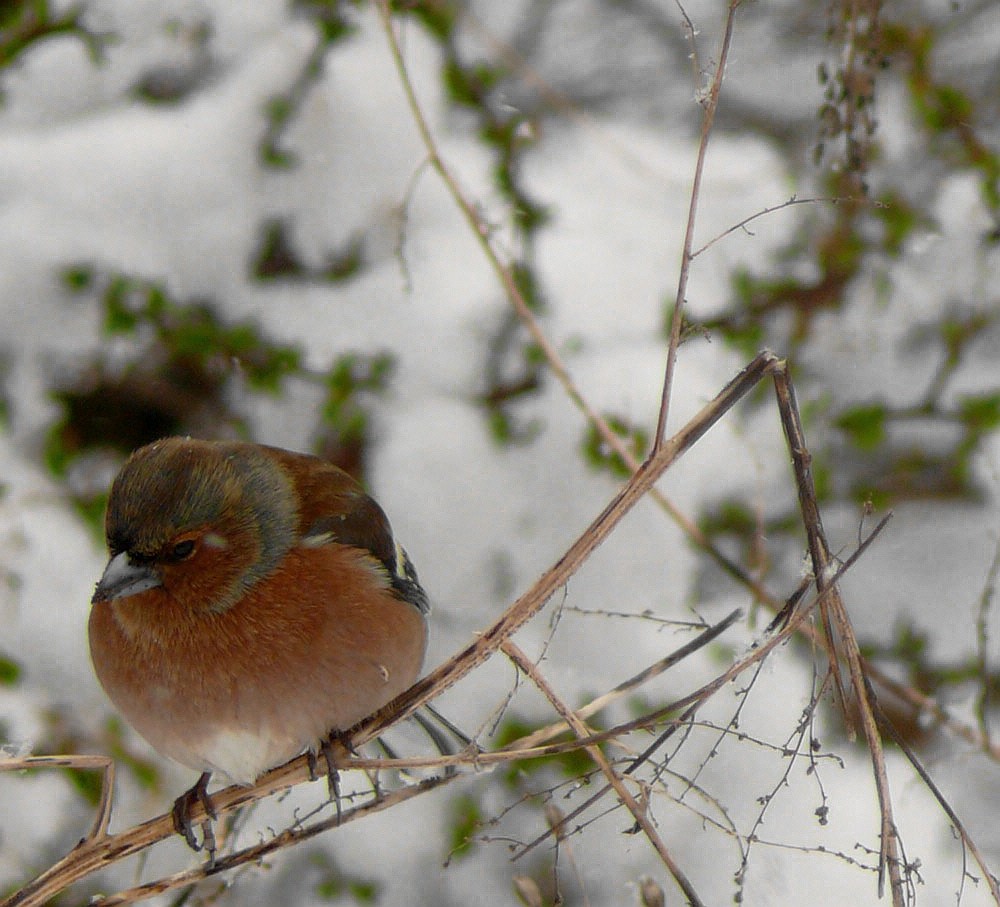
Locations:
(335, 883)
(910, 645)
(947, 112)
(345, 263)
(276, 258)
(980, 413)
(88, 783)
(278, 111)
(329, 17)
(730, 517)
(349, 384)
(478, 88)
(514, 371)
(500, 426)
(527, 285)
(899, 218)
(865, 425)
(439, 17)
(352, 373)
(918, 474)
(192, 333)
(25, 24)
(575, 763)
(10, 671)
(503, 425)
(466, 85)
(465, 820)
(332, 26)
(78, 278)
(775, 304)
(182, 357)
(599, 456)
(746, 336)
(822, 474)
(835, 252)
(911, 650)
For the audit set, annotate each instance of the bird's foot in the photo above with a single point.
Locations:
(184, 805)
(327, 749)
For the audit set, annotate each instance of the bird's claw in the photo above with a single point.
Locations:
(183, 824)
(327, 748)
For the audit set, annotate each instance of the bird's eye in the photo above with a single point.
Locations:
(182, 550)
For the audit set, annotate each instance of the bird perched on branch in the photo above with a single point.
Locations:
(255, 603)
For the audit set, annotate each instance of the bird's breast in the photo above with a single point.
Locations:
(314, 647)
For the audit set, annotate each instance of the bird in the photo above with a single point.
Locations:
(254, 606)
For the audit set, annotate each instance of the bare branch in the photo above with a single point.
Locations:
(711, 105)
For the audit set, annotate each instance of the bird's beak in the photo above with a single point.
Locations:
(122, 578)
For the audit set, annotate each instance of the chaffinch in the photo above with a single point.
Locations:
(255, 602)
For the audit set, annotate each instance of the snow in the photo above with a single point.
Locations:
(177, 193)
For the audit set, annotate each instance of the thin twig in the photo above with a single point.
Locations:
(480, 229)
(636, 680)
(845, 642)
(983, 698)
(918, 767)
(812, 521)
(286, 838)
(765, 648)
(684, 709)
(691, 34)
(104, 764)
(762, 213)
(711, 104)
(614, 779)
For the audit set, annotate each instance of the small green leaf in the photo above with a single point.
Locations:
(118, 315)
(899, 219)
(466, 819)
(865, 425)
(946, 107)
(822, 479)
(570, 764)
(334, 883)
(278, 109)
(363, 892)
(10, 671)
(437, 18)
(981, 413)
(731, 517)
(88, 783)
(78, 278)
(599, 455)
